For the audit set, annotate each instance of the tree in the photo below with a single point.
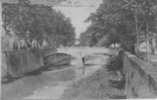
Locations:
(123, 21)
(38, 22)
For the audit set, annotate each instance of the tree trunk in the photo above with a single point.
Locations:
(137, 31)
(147, 42)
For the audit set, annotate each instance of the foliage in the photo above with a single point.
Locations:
(115, 64)
(122, 20)
(85, 39)
(38, 22)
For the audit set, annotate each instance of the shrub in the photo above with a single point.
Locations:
(115, 63)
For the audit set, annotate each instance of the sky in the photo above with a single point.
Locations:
(79, 12)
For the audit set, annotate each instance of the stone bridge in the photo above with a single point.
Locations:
(85, 51)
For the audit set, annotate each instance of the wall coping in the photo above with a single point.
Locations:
(146, 66)
(149, 69)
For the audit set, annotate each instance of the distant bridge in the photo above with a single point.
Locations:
(84, 51)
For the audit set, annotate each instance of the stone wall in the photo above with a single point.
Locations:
(140, 77)
(17, 63)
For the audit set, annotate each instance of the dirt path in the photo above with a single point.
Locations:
(94, 87)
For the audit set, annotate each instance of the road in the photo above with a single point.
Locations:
(49, 84)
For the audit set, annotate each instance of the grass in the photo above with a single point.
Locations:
(96, 86)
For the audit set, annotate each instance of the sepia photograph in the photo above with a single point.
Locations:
(78, 49)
